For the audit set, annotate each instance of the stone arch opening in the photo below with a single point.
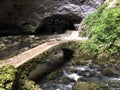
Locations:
(57, 24)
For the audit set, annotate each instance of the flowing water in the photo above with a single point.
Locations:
(68, 75)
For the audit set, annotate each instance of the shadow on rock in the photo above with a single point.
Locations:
(44, 69)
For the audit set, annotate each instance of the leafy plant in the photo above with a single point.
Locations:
(7, 76)
(103, 29)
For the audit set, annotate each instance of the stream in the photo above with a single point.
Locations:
(66, 76)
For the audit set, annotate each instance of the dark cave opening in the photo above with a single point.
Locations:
(57, 24)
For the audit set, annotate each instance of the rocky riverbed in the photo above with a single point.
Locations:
(85, 76)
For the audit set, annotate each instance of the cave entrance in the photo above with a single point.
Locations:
(57, 24)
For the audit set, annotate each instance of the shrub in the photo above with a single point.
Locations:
(7, 76)
(103, 29)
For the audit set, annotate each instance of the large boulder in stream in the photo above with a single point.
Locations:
(24, 16)
(56, 61)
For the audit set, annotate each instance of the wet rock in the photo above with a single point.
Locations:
(66, 80)
(53, 75)
(114, 88)
(88, 86)
(99, 75)
(110, 71)
(43, 69)
(114, 84)
(52, 64)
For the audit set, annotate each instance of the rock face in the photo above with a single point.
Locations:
(23, 15)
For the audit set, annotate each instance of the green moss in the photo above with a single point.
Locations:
(53, 75)
(28, 28)
(7, 77)
(103, 29)
(87, 86)
(30, 85)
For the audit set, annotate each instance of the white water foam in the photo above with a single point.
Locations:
(73, 76)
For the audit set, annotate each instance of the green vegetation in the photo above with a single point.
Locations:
(28, 85)
(103, 29)
(7, 76)
(87, 86)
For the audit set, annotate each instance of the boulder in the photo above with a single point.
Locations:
(110, 71)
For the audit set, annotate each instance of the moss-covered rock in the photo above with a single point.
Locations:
(87, 86)
(110, 71)
(29, 85)
(7, 77)
(53, 75)
(114, 84)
